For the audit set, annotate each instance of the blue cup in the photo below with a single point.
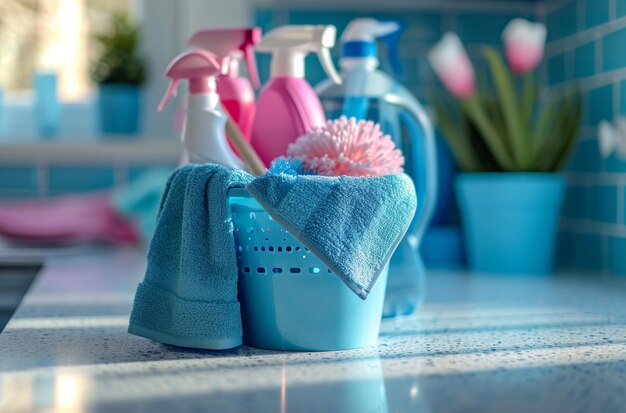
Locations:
(47, 106)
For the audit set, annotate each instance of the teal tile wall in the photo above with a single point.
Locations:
(584, 60)
(38, 180)
(593, 33)
(18, 181)
(63, 179)
(612, 44)
(598, 105)
(556, 68)
(563, 21)
(596, 12)
(586, 157)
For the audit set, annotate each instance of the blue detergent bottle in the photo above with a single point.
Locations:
(368, 93)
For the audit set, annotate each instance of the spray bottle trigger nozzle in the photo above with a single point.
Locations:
(327, 64)
(250, 58)
(393, 46)
(171, 91)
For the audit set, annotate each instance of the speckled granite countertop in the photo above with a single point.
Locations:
(479, 344)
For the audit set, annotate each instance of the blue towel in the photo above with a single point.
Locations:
(188, 297)
(352, 224)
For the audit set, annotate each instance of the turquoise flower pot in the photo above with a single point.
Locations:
(119, 109)
(510, 220)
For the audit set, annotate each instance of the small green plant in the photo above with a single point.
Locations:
(120, 61)
(502, 125)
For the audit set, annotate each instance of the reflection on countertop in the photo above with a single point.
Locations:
(478, 344)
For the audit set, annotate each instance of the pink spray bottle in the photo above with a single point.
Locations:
(287, 106)
(236, 93)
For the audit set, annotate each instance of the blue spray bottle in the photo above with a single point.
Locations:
(368, 93)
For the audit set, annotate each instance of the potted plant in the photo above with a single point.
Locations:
(510, 146)
(120, 72)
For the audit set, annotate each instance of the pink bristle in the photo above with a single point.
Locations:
(347, 147)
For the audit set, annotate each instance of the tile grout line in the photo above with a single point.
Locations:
(593, 82)
(588, 226)
(582, 17)
(574, 40)
(612, 10)
(620, 204)
(599, 55)
(595, 178)
(617, 92)
(552, 6)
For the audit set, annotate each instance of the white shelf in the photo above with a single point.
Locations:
(90, 151)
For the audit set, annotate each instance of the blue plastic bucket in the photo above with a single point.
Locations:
(289, 299)
(510, 220)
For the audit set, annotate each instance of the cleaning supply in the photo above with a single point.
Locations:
(290, 300)
(203, 133)
(348, 147)
(287, 106)
(189, 294)
(236, 92)
(246, 151)
(352, 224)
(368, 93)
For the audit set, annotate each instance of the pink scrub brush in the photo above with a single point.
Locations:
(347, 147)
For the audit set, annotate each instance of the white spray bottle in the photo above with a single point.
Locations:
(203, 133)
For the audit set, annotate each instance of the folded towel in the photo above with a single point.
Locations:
(352, 224)
(189, 294)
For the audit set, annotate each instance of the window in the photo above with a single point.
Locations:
(53, 35)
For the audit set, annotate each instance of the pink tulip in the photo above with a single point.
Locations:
(452, 65)
(523, 44)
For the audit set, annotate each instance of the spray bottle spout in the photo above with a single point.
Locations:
(231, 44)
(359, 40)
(290, 44)
(393, 46)
(197, 66)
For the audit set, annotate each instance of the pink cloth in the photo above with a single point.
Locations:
(84, 218)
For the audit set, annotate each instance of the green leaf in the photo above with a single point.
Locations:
(508, 100)
(542, 131)
(571, 134)
(562, 117)
(528, 101)
(492, 108)
(456, 138)
(119, 61)
(476, 113)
